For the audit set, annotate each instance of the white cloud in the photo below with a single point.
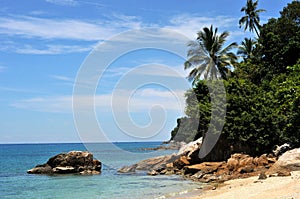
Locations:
(121, 20)
(80, 30)
(26, 26)
(53, 29)
(63, 2)
(148, 70)
(189, 25)
(165, 71)
(64, 28)
(37, 12)
(142, 100)
(10, 89)
(52, 49)
(62, 78)
(58, 104)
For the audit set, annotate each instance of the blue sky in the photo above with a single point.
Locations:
(44, 44)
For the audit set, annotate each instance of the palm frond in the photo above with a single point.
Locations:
(206, 56)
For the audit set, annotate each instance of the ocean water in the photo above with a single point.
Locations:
(16, 159)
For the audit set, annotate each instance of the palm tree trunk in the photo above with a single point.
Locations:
(257, 33)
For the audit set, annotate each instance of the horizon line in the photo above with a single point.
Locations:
(7, 143)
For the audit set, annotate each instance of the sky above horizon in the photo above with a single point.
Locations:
(45, 44)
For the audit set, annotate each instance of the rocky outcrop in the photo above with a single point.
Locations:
(237, 166)
(168, 164)
(172, 145)
(157, 163)
(81, 162)
(289, 161)
(190, 148)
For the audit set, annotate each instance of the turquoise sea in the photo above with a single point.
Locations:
(16, 159)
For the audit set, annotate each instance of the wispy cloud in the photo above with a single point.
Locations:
(52, 29)
(63, 2)
(189, 25)
(90, 31)
(62, 78)
(30, 27)
(115, 72)
(37, 12)
(141, 101)
(52, 49)
(18, 90)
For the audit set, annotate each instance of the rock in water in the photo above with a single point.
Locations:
(157, 164)
(81, 162)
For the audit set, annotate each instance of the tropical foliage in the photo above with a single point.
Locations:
(251, 19)
(207, 57)
(262, 95)
(246, 49)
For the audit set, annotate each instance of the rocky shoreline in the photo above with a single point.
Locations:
(186, 164)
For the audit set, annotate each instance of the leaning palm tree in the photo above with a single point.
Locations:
(246, 48)
(251, 18)
(207, 58)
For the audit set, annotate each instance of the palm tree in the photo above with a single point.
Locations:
(251, 18)
(206, 56)
(246, 48)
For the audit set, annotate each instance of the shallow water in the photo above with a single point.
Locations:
(16, 159)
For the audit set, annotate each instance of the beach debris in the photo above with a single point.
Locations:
(81, 162)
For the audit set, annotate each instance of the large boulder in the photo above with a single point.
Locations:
(289, 161)
(189, 153)
(204, 167)
(81, 162)
(190, 148)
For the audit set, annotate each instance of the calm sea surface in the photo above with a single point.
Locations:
(16, 159)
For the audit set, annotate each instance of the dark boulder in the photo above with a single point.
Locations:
(81, 162)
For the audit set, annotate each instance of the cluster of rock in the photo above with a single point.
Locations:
(237, 166)
(81, 162)
(166, 146)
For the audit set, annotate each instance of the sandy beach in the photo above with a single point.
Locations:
(252, 188)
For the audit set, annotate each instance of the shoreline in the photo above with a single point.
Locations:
(250, 188)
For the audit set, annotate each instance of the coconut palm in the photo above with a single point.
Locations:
(207, 58)
(251, 18)
(246, 48)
